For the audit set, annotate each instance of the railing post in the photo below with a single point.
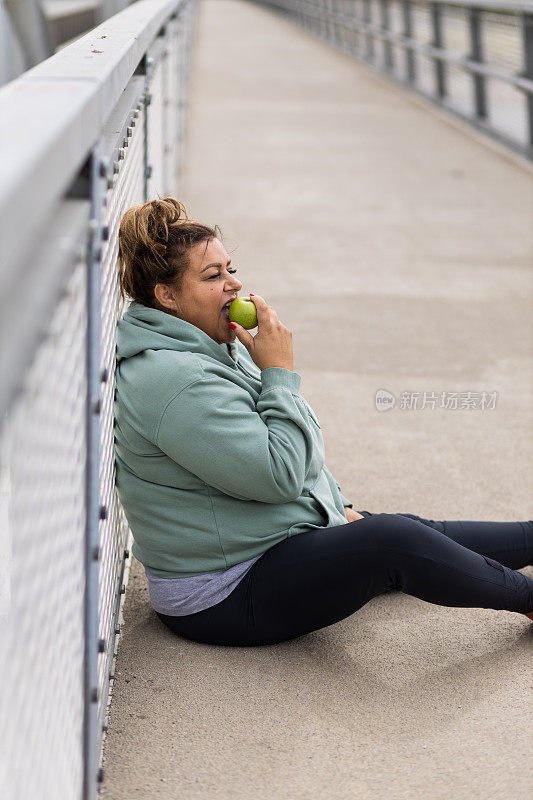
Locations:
(355, 30)
(367, 17)
(332, 22)
(476, 54)
(385, 24)
(436, 19)
(408, 33)
(527, 29)
(304, 16)
(324, 20)
(346, 31)
(96, 190)
(337, 26)
(314, 19)
(147, 99)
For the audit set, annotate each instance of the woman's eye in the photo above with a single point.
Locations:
(218, 274)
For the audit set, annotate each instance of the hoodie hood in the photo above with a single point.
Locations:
(142, 328)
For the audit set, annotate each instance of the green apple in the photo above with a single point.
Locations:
(243, 311)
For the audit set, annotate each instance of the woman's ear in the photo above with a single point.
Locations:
(164, 296)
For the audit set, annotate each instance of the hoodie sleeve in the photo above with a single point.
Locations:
(344, 499)
(260, 452)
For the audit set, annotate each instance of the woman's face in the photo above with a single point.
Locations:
(208, 285)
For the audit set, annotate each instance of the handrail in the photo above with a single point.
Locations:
(525, 7)
(53, 115)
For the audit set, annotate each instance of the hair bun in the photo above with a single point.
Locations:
(155, 217)
(150, 222)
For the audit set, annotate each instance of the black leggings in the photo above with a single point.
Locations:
(318, 577)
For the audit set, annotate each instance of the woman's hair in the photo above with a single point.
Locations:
(153, 247)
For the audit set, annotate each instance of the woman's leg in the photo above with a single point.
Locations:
(510, 543)
(319, 577)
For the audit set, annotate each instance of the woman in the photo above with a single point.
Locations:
(244, 534)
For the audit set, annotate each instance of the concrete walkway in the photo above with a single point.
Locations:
(397, 246)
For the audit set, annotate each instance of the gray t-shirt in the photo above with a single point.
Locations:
(178, 597)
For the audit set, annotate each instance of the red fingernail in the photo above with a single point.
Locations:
(232, 325)
(252, 294)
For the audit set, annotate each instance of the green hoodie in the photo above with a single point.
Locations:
(216, 460)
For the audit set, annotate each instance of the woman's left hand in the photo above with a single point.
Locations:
(352, 515)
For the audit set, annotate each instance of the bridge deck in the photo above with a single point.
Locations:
(397, 247)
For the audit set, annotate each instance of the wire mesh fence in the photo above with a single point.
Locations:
(43, 451)
(64, 541)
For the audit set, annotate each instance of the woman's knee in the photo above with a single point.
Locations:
(390, 530)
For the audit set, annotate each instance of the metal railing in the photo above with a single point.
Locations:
(87, 133)
(472, 57)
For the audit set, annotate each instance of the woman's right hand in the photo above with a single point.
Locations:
(352, 515)
(272, 344)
